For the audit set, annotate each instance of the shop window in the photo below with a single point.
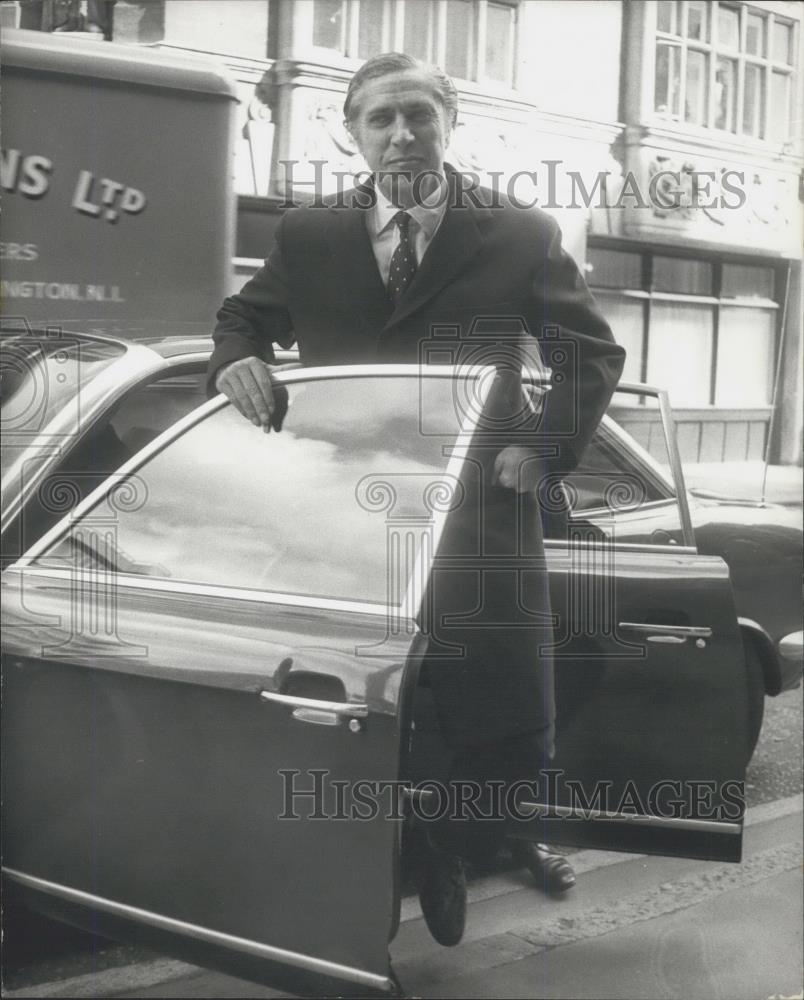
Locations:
(680, 351)
(716, 65)
(626, 317)
(615, 269)
(679, 274)
(741, 281)
(702, 328)
(745, 357)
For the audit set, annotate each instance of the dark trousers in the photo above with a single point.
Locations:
(485, 785)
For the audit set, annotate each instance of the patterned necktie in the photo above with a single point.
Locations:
(403, 261)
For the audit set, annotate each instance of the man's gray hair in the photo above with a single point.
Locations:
(396, 62)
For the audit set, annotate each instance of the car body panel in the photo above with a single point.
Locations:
(610, 656)
(154, 727)
(762, 546)
(156, 779)
(791, 657)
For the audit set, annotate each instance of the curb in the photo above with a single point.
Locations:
(141, 975)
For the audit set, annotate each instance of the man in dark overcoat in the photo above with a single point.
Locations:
(374, 275)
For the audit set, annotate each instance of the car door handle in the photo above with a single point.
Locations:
(340, 709)
(667, 633)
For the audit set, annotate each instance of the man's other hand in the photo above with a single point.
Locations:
(516, 468)
(247, 385)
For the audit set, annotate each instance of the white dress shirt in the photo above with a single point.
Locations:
(384, 233)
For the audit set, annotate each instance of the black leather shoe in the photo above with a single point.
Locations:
(552, 871)
(442, 896)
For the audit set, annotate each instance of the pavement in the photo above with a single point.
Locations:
(633, 927)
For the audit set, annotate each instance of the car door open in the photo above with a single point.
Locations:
(203, 672)
(651, 694)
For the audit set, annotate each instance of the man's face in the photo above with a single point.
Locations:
(401, 127)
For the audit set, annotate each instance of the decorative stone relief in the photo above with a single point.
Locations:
(255, 137)
(478, 148)
(706, 197)
(326, 138)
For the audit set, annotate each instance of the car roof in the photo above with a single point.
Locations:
(176, 347)
(173, 347)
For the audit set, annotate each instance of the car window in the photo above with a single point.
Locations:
(154, 407)
(304, 510)
(612, 462)
(620, 489)
(113, 438)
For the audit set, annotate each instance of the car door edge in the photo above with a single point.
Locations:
(271, 964)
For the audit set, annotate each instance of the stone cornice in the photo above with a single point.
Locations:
(296, 71)
(241, 66)
(714, 144)
(583, 129)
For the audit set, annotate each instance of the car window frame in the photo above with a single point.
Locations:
(404, 613)
(673, 453)
(645, 463)
(675, 481)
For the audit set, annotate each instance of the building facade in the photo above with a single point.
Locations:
(665, 136)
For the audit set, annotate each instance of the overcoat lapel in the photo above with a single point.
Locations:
(458, 239)
(351, 250)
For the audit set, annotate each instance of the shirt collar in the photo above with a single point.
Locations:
(426, 216)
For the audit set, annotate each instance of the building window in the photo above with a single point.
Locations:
(470, 39)
(329, 24)
(726, 66)
(704, 329)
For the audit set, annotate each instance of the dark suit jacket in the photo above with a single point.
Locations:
(490, 268)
